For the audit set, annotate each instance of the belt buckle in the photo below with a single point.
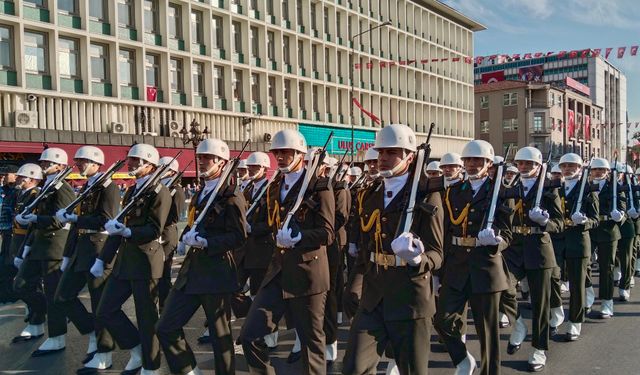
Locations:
(468, 242)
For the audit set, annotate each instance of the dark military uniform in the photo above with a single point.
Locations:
(169, 241)
(626, 245)
(137, 269)
(83, 246)
(46, 237)
(207, 278)
(297, 279)
(473, 273)
(397, 301)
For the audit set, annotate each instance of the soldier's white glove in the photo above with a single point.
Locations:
(17, 262)
(284, 239)
(97, 270)
(616, 216)
(487, 237)
(353, 250)
(633, 213)
(578, 218)
(65, 263)
(26, 251)
(64, 217)
(193, 239)
(115, 228)
(182, 248)
(248, 228)
(26, 219)
(539, 216)
(408, 248)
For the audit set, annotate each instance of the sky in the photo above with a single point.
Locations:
(521, 26)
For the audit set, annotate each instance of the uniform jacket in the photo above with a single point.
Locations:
(608, 230)
(575, 240)
(342, 197)
(19, 231)
(259, 247)
(628, 226)
(170, 231)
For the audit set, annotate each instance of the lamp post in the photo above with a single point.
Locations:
(194, 136)
(351, 68)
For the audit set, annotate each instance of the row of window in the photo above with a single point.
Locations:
(508, 99)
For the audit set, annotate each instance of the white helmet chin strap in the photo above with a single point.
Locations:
(136, 172)
(50, 169)
(481, 173)
(209, 172)
(85, 170)
(296, 159)
(394, 171)
(531, 173)
(573, 176)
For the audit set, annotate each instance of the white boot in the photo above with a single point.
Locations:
(504, 320)
(557, 317)
(195, 371)
(271, 339)
(53, 344)
(32, 331)
(524, 285)
(617, 274)
(624, 294)
(637, 268)
(537, 359)
(392, 368)
(463, 338)
(297, 346)
(590, 297)
(135, 361)
(633, 282)
(519, 332)
(100, 361)
(467, 366)
(339, 320)
(564, 287)
(93, 343)
(606, 309)
(331, 351)
(573, 331)
(149, 372)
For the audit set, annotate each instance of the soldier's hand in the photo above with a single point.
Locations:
(182, 248)
(409, 248)
(115, 228)
(616, 216)
(578, 218)
(539, 216)
(26, 219)
(65, 263)
(64, 217)
(17, 262)
(487, 237)
(192, 238)
(248, 228)
(633, 213)
(97, 270)
(285, 240)
(353, 250)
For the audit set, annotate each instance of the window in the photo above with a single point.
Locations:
(484, 101)
(68, 6)
(326, 20)
(300, 54)
(151, 22)
(196, 27)
(326, 60)
(218, 81)
(253, 4)
(127, 65)
(6, 48)
(327, 104)
(177, 84)
(152, 68)
(287, 93)
(237, 85)
(175, 21)
(36, 3)
(559, 101)
(198, 78)
(484, 127)
(314, 58)
(68, 58)
(237, 37)
(510, 99)
(269, 7)
(301, 98)
(286, 48)
(299, 13)
(99, 62)
(36, 54)
(340, 57)
(510, 124)
(98, 10)
(509, 146)
(316, 95)
(255, 42)
(271, 45)
(338, 23)
(272, 90)
(218, 42)
(125, 14)
(552, 98)
(314, 23)
(285, 10)
(255, 88)
(538, 122)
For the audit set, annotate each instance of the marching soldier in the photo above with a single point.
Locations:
(208, 275)
(243, 175)
(354, 174)
(475, 271)
(531, 254)
(452, 168)
(42, 254)
(628, 233)
(433, 170)
(510, 175)
(607, 234)
(397, 302)
(169, 238)
(10, 194)
(138, 265)
(297, 279)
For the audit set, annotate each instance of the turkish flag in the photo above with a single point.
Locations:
(587, 128)
(493, 77)
(571, 124)
(634, 50)
(621, 52)
(607, 52)
(152, 93)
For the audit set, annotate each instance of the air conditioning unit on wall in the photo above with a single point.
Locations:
(118, 128)
(26, 119)
(174, 129)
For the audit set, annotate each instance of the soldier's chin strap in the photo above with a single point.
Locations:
(573, 176)
(139, 168)
(209, 172)
(532, 173)
(49, 170)
(398, 168)
(481, 173)
(294, 163)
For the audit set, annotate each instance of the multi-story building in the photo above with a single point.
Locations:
(518, 114)
(606, 86)
(118, 71)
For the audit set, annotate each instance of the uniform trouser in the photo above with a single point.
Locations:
(32, 273)
(256, 275)
(145, 297)
(558, 275)
(71, 284)
(450, 320)
(340, 280)
(331, 308)
(7, 270)
(625, 254)
(178, 310)
(307, 316)
(164, 284)
(240, 302)
(371, 335)
(577, 275)
(352, 293)
(606, 259)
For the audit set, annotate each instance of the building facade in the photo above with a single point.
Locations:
(606, 87)
(117, 71)
(517, 114)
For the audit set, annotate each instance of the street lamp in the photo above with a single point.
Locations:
(351, 68)
(194, 136)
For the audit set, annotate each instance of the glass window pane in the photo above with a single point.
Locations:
(196, 26)
(37, 3)
(99, 68)
(151, 16)
(216, 24)
(97, 9)
(67, 6)
(35, 59)
(67, 57)
(125, 13)
(152, 69)
(6, 53)
(175, 24)
(126, 60)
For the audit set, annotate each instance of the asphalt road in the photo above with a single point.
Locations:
(606, 347)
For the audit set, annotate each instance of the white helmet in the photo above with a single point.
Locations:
(396, 136)
(571, 158)
(638, 171)
(173, 164)
(478, 149)
(144, 152)
(310, 153)
(621, 167)
(90, 153)
(513, 169)
(498, 159)
(215, 147)
(370, 154)
(529, 154)
(556, 169)
(30, 170)
(451, 158)
(289, 139)
(259, 158)
(600, 163)
(330, 161)
(354, 171)
(434, 166)
(242, 164)
(54, 155)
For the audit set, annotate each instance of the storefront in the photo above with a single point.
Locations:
(317, 136)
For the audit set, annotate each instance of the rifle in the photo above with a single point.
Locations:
(103, 181)
(228, 171)
(614, 183)
(356, 184)
(497, 183)
(631, 203)
(541, 179)
(335, 176)
(54, 185)
(314, 163)
(422, 156)
(175, 179)
(263, 189)
(583, 184)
